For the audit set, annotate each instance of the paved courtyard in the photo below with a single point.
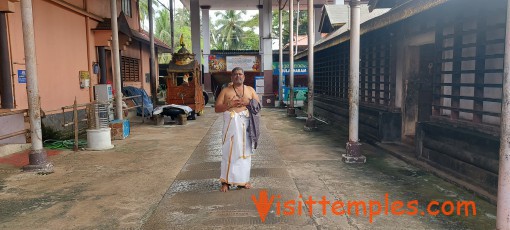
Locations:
(166, 177)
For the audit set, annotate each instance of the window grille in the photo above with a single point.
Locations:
(130, 69)
(374, 69)
(469, 78)
(332, 71)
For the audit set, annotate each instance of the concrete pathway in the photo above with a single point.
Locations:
(167, 178)
(292, 164)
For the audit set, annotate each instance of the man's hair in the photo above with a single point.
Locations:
(237, 69)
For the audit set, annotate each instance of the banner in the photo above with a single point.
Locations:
(247, 63)
(225, 63)
(217, 63)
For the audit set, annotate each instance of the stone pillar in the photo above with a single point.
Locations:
(280, 59)
(353, 147)
(503, 205)
(310, 121)
(116, 61)
(317, 11)
(291, 111)
(207, 49)
(37, 158)
(195, 29)
(268, 97)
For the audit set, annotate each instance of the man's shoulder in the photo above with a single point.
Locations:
(228, 90)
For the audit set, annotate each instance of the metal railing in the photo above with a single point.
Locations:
(16, 133)
(142, 106)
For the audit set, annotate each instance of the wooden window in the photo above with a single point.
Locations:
(126, 7)
(375, 84)
(130, 69)
(469, 78)
(330, 68)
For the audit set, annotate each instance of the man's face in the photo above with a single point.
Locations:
(238, 77)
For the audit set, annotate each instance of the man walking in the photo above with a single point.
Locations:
(233, 101)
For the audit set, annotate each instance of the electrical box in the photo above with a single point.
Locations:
(103, 93)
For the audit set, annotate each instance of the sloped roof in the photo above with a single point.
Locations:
(403, 10)
(337, 16)
(302, 41)
(333, 17)
(142, 35)
(122, 23)
(377, 4)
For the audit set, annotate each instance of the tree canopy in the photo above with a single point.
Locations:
(303, 24)
(232, 32)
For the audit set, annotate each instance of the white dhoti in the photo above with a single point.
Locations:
(236, 149)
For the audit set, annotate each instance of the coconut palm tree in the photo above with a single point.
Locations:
(228, 33)
(143, 9)
(162, 32)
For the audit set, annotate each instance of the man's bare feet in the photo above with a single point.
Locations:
(224, 187)
(246, 186)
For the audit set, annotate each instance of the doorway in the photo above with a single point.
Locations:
(418, 88)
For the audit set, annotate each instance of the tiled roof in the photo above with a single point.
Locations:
(124, 28)
(143, 36)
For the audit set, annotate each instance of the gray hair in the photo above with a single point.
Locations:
(237, 69)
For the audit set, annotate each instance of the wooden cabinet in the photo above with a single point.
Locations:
(184, 86)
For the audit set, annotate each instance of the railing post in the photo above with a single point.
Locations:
(76, 130)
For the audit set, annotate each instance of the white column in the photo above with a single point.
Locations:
(310, 121)
(291, 111)
(116, 61)
(317, 17)
(37, 157)
(206, 35)
(503, 205)
(195, 29)
(353, 147)
(280, 61)
(261, 30)
(267, 60)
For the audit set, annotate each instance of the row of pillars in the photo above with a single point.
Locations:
(353, 151)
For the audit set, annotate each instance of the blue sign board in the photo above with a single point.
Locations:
(300, 68)
(22, 76)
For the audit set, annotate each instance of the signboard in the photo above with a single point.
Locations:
(84, 79)
(225, 63)
(300, 68)
(259, 84)
(247, 63)
(22, 76)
